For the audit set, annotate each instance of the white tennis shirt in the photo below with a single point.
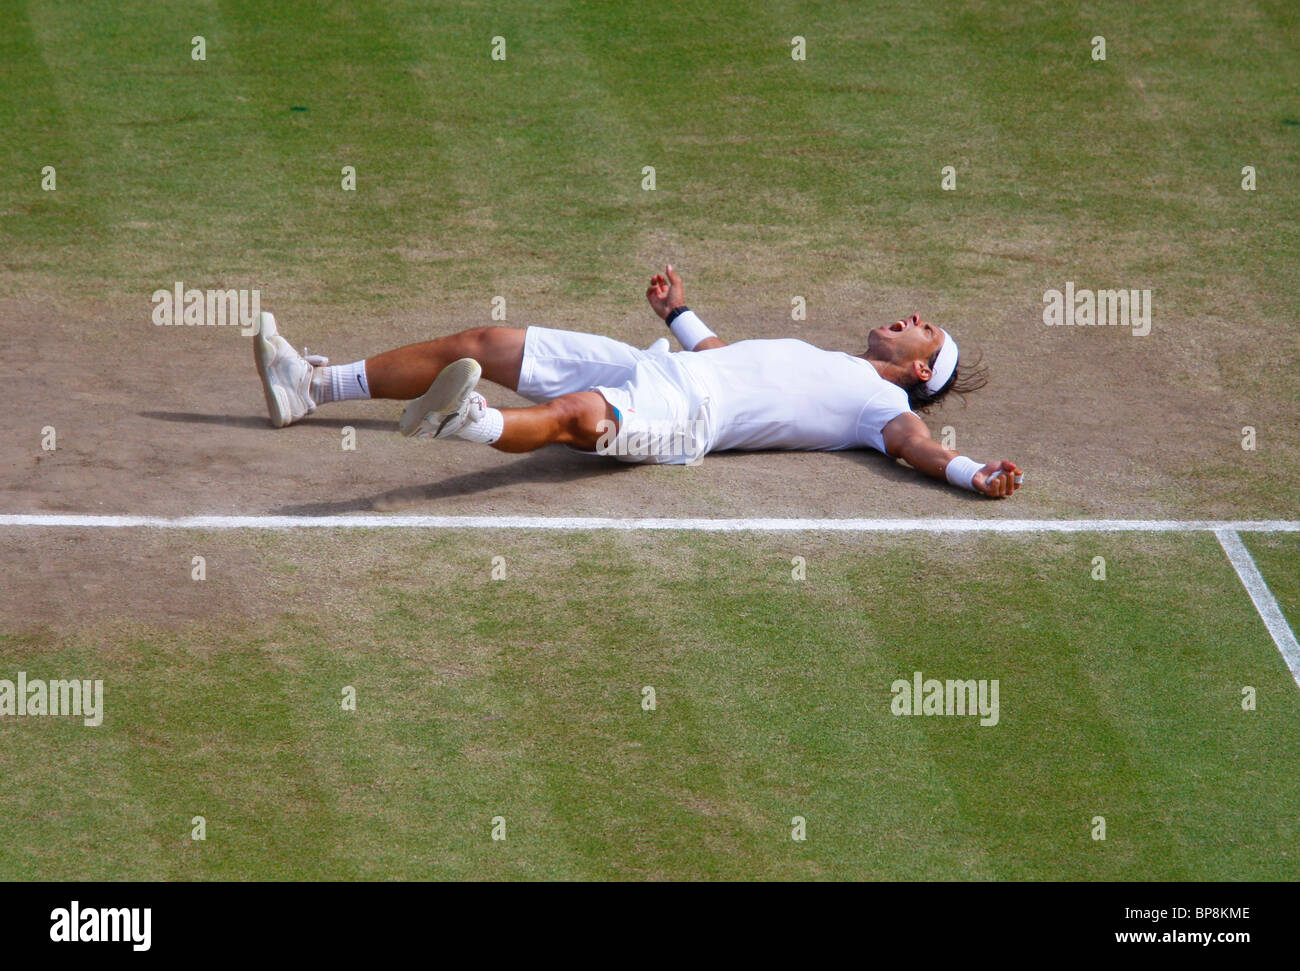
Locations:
(788, 394)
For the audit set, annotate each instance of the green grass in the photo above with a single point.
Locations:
(774, 177)
(524, 174)
(521, 698)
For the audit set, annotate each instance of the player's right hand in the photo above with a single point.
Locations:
(666, 292)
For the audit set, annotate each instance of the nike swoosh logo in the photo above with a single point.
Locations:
(443, 424)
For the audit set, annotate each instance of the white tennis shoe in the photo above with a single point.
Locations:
(450, 402)
(286, 374)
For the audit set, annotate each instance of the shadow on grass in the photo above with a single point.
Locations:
(892, 471)
(554, 466)
(260, 421)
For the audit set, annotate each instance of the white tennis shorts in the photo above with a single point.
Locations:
(664, 414)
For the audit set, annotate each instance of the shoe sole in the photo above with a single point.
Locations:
(448, 390)
(264, 357)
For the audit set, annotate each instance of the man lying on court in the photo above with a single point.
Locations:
(598, 394)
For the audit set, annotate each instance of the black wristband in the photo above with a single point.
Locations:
(674, 314)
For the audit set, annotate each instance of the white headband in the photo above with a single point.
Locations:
(944, 365)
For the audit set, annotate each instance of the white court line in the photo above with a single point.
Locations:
(1262, 598)
(78, 521)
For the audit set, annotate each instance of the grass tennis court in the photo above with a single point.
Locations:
(522, 697)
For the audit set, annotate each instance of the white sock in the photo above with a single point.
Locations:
(486, 427)
(342, 382)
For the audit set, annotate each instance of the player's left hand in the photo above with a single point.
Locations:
(998, 479)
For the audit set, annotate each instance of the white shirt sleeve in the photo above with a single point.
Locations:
(881, 408)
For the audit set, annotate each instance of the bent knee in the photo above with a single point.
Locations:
(483, 339)
(500, 351)
(583, 417)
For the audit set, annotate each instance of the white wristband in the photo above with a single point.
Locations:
(689, 329)
(961, 472)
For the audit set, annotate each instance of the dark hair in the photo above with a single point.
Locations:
(965, 378)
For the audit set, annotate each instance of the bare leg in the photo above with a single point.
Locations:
(573, 419)
(408, 371)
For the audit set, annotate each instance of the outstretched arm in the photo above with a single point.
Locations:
(908, 438)
(667, 297)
